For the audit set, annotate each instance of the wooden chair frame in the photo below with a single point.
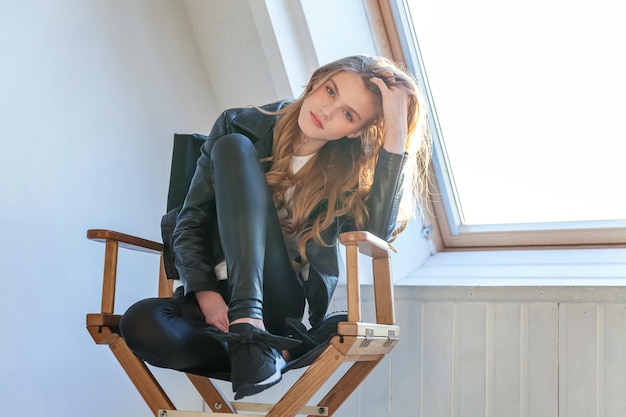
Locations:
(364, 344)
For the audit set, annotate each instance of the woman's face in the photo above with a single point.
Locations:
(340, 106)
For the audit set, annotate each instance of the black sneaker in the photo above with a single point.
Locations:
(255, 359)
(315, 336)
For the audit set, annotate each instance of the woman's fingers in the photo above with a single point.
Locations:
(222, 321)
(395, 109)
(214, 309)
(388, 76)
(394, 98)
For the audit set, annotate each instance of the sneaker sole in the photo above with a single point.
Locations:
(246, 390)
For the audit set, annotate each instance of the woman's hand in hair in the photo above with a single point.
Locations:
(214, 309)
(395, 109)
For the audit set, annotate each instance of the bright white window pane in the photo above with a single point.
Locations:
(530, 99)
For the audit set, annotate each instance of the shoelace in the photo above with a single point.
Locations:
(253, 335)
(299, 331)
(315, 336)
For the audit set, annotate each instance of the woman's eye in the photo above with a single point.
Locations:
(330, 91)
(348, 115)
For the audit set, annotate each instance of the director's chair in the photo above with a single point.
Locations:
(363, 344)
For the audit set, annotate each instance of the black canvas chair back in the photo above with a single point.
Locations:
(184, 157)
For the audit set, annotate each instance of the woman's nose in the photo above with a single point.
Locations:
(327, 112)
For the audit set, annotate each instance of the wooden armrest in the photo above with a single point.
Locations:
(368, 243)
(110, 320)
(103, 328)
(126, 241)
(379, 251)
(368, 329)
(113, 240)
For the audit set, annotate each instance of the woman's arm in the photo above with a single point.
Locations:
(395, 111)
(386, 192)
(192, 239)
(384, 199)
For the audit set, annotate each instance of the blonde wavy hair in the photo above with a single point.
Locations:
(338, 179)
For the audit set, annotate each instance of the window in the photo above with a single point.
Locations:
(526, 102)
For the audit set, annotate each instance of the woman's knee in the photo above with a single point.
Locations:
(232, 147)
(141, 324)
(167, 332)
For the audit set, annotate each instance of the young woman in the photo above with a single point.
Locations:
(256, 238)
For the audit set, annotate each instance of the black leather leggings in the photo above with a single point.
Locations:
(167, 332)
(261, 281)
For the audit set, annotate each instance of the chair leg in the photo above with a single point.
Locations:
(308, 384)
(347, 384)
(144, 381)
(211, 395)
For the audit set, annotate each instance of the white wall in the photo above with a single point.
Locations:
(91, 93)
(233, 54)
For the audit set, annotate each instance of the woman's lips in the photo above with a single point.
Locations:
(317, 122)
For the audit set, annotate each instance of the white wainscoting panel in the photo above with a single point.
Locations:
(500, 352)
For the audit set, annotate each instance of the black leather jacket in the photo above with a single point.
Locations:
(196, 241)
